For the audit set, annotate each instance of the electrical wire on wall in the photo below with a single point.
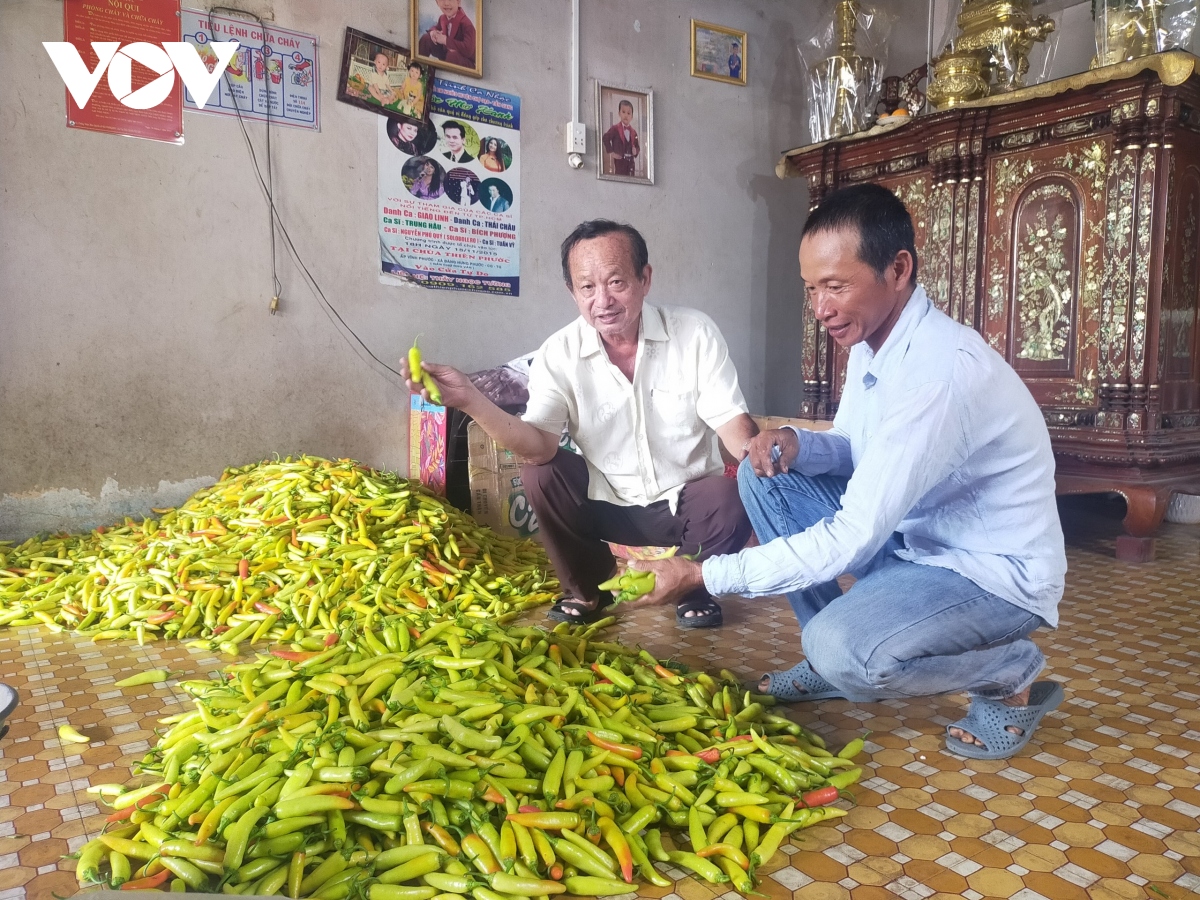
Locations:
(267, 184)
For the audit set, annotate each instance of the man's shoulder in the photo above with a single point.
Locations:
(951, 351)
(684, 321)
(566, 342)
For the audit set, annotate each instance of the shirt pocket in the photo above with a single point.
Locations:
(673, 412)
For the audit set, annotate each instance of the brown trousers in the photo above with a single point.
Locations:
(709, 521)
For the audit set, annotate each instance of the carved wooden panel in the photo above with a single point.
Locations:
(1044, 269)
(1177, 330)
(1045, 263)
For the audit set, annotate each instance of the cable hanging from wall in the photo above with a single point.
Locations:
(267, 184)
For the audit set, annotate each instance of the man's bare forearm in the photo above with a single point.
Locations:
(735, 434)
(527, 441)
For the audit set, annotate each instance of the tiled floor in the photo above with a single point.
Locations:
(1104, 804)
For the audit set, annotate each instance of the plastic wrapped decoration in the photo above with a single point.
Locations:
(1015, 48)
(1127, 29)
(844, 62)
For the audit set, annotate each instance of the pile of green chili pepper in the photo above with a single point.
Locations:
(288, 550)
(422, 756)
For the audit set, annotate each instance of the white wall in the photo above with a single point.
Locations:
(135, 342)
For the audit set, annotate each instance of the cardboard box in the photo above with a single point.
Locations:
(497, 494)
(769, 423)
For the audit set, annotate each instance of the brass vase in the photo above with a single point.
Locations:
(957, 78)
(1003, 31)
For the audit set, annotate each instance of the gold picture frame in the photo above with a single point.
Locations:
(713, 53)
(625, 133)
(425, 16)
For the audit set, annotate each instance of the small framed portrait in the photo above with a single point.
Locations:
(625, 124)
(382, 77)
(718, 52)
(448, 34)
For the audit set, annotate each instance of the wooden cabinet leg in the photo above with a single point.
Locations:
(1145, 508)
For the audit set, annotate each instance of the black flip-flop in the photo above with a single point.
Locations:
(578, 613)
(706, 613)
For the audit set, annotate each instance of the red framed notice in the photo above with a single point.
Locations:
(129, 22)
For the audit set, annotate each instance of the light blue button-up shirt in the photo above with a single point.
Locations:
(942, 442)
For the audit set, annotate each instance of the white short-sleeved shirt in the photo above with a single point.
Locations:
(642, 440)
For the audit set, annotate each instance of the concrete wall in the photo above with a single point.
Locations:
(135, 342)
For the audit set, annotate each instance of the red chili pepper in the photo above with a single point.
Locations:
(159, 618)
(556, 873)
(664, 672)
(711, 755)
(293, 655)
(492, 795)
(120, 815)
(294, 542)
(625, 750)
(266, 608)
(149, 883)
(820, 797)
(331, 639)
(618, 775)
(150, 799)
(243, 569)
(221, 629)
(528, 808)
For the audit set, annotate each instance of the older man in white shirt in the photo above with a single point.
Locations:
(646, 392)
(935, 487)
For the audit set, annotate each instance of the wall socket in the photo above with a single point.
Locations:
(576, 137)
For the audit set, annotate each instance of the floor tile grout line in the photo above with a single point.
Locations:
(36, 638)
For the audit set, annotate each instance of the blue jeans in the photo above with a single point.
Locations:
(904, 629)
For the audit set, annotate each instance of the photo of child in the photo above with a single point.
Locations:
(380, 76)
(412, 92)
(448, 33)
(718, 53)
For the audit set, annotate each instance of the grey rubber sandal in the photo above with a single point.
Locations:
(989, 720)
(782, 686)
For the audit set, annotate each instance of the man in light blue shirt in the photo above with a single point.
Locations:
(935, 487)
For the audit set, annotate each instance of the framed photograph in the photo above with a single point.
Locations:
(448, 34)
(718, 52)
(382, 77)
(625, 125)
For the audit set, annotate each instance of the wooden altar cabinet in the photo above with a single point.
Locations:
(1063, 223)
